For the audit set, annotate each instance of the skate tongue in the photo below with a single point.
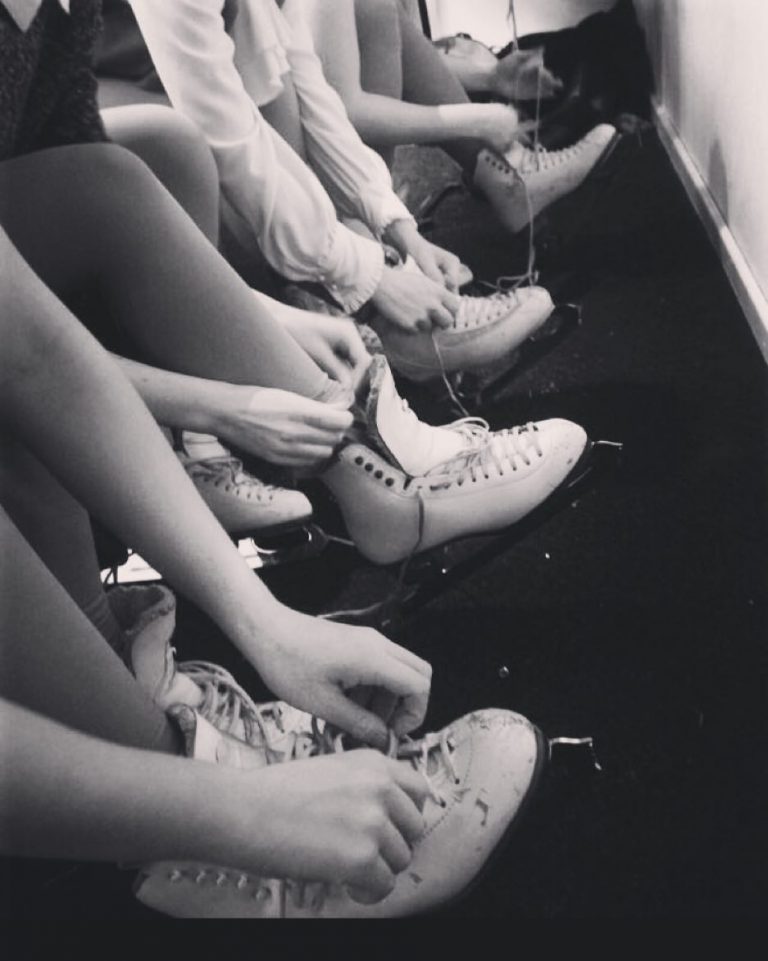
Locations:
(203, 742)
(516, 155)
(396, 431)
(152, 660)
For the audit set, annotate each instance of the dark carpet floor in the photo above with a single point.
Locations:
(637, 615)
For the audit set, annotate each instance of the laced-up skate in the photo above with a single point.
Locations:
(404, 486)
(479, 771)
(242, 503)
(485, 330)
(525, 181)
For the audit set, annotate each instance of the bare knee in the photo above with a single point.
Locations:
(176, 152)
(160, 136)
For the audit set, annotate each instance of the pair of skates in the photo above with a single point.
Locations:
(404, 487)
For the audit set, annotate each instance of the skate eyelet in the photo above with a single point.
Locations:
(369, 467)
(389, 481)
(378, 474)
(358, 460)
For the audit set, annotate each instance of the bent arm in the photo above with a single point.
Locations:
(273, 193)
(380, 121)
(355, 176)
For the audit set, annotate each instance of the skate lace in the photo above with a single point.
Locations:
(227, 705)
(431, 756)
(539, 158)
(436, 747)
(228, 472)
(507, 450)
(476, 311)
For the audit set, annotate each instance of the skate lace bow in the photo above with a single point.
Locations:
(501, 453)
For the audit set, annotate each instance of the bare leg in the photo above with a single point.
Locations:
(176, 153)
(115, 228)
(59, 531)
(383, 119)
(56, 663)
(418, 76)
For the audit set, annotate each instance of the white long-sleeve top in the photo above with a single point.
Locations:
(217, 69)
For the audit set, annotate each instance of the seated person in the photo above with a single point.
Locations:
(397, 88)
(228, 69)
(206, 353)
(96, 708)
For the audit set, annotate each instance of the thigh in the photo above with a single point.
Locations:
(380, 45)
(55, 526)
(62, 209)
(54, 661)
(176, 152)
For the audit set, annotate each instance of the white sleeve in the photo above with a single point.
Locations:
(356, 178)
(265, 182)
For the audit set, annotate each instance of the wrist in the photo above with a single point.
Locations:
(255, 628)
(225, 406)
(402, 235)
(222, 810)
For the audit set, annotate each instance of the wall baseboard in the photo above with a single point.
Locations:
(753, 301)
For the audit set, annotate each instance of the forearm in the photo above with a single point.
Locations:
(68, 795)
(385, 121)
(178, 400)
(355, 176)
(277, 199)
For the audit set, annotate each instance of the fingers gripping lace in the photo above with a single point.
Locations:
(227, 702)
(418, 752)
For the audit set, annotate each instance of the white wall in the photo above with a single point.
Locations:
(711, 64)
(488, 20)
